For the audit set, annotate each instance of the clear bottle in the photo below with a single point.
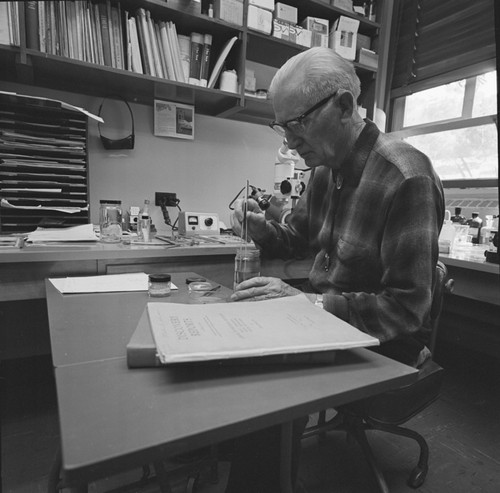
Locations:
(159, 285)
(110, 221)
(475, 223)
(246, 265)
(144, 222)
(458, 217)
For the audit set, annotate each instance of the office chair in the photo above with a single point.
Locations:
(387, 411)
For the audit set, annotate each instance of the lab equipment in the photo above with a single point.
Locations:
(110, 221)
(193, 223)
(159, 285)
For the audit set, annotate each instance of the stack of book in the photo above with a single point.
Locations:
(104, 33)
(9, 23)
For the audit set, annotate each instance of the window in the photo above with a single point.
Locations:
(455, 125)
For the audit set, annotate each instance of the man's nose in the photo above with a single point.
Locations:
(292, 140)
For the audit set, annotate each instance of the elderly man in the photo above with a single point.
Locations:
(370, 217)
(371, 214)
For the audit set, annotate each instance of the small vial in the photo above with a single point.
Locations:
(211, 10)
(159, 285)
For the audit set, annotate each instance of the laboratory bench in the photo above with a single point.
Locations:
(474, 305)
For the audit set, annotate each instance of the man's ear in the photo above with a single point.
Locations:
(346, 104)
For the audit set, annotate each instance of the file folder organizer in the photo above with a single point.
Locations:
(43, 164)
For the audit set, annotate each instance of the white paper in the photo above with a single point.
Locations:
(229, 330)
(137, 281)
(83, 232)
(173, 120)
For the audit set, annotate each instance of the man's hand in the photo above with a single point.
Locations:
(262, 288)
(256, 220)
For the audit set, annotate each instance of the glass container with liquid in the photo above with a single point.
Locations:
(110, 221)
(246, 265)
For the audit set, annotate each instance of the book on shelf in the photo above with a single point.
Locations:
(205, 59)
(105, 38)
(161, 55)
(195, 333)
(185, 49)
(154, 46)
(196, 54)
(176, 54)
(31, 18)
(167, 51)
(145, 45)
(117, 36)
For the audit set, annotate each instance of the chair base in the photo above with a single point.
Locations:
(356, 427)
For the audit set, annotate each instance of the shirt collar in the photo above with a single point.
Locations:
(354, 164)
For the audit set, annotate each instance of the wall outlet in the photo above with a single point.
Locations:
(166, 198)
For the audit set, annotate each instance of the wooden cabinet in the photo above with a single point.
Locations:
(33, 67)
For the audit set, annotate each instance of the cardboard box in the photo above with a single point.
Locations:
(229, 10)
(260, 19)
(263, 4)
(304, 37)
(285, 13)
(250, 81)
(363, 41)
(343, 4)
(319, 30)
(316, 25)
(368, 58)
(343, 37)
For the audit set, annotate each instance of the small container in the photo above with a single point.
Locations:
(159, 285)
(110, 221)
(246, 265)
(144, 228)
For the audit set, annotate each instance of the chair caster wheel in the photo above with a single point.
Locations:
(192, 484)
(417, 477)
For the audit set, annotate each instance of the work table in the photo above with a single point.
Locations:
(23, 316)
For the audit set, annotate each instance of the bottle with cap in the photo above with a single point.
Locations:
(475, 223)
(144, 222)
(447, 235)
(458, 218)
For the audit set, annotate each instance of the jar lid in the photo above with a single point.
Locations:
(110, 201)
(189, 280)
(160, 277)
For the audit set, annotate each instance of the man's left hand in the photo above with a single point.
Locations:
(262, 288)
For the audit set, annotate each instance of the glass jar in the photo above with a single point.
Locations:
(246, 265)
(110, 221)
(159, 285)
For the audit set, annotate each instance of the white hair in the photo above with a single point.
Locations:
(315, 74)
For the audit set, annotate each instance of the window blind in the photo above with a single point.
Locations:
(435, 38)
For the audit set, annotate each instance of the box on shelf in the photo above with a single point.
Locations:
(343, 37)
(263, 4)
(343, 4)
(250, 81)
(285, 13)
(260, 19)
(304, 37)
(368, 58)
(363, 41)
(319, 29)
(189, 6)
(229, 11)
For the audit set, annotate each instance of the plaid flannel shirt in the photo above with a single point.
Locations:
(372, 230)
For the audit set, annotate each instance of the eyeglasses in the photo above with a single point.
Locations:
(296, 125)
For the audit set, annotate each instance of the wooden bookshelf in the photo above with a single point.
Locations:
(32, 67)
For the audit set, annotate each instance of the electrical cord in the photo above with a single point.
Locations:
(166, 215)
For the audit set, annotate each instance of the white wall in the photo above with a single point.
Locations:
(205, 173)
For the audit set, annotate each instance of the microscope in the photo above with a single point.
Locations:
(287, 189)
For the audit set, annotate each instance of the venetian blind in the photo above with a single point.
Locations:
(433, 38)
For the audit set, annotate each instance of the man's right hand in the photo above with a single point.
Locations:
(255, 218)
